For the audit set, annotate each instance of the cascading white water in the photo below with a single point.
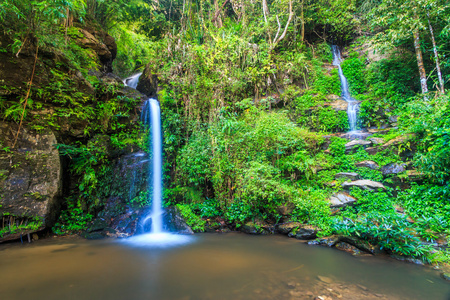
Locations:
(151, 114)
(352, 107)
(132, 81)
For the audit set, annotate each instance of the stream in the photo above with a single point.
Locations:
(206, 266)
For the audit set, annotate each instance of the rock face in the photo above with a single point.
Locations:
(148, 82)
(256, 227)
(341, 199)
(364, 184)
(30, 176)
(347, 176)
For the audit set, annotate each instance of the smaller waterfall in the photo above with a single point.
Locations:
(132, 81)
(352, 108)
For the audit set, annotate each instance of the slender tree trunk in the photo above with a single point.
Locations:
(436, 57)
(419, 56)
(303, 22)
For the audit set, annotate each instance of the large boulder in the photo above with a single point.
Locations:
(30, 180)
(351, 146)
(286, 228)
(341, 199)
(148, 82)
(364, 184)
(306, 232)
(393, 168)
(367, 164)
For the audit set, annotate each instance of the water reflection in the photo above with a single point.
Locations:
(206, 266)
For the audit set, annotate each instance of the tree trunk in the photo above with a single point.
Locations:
(436, 57)
(419, 56)
(303, 22)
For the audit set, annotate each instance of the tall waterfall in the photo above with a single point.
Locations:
(151, 115)
(158, 237)
(352, 106)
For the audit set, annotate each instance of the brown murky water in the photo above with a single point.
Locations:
(211, 266)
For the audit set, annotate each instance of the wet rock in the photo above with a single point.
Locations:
(148, 82)
(351, 146)
(367, 164)
(93, 235)
(255, 227)
(341, 199)
(356, 135)
(398, 140)
(446, 276)
(306, 232)
(347, 175)
(361, 244)
(393, 168)
(174, 222)
(97, 225)
(348, 248)
(286, 228)
(339, 105)
(364, 184)
(328, 241)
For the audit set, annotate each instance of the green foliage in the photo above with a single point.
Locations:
(392, 232)
(73, 218)
(141, 200)
(354, 70)
(193, 220)
(13, 225)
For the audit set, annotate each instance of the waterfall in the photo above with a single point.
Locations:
(151, 115)
(132, 81)
(352, 106)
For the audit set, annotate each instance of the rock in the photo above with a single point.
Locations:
(348, 248)
(325, 279)
(364, 184)
(414, 175)
(393, 168)
(377, 141)
(97, 225)
(328, 241)
(347, 175)
(89, 41)
(445, 275)
(367, 164)
(93, 235)
(361, 244)
(286, 228)
(31, 180)
(350, 146)
(174, 222)
(341, 199)
(398, 140)
(393, 119)
(339, 105)
(148, 82)
(255, 227)
(306, 232)
(355, 135)
(373, 150)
